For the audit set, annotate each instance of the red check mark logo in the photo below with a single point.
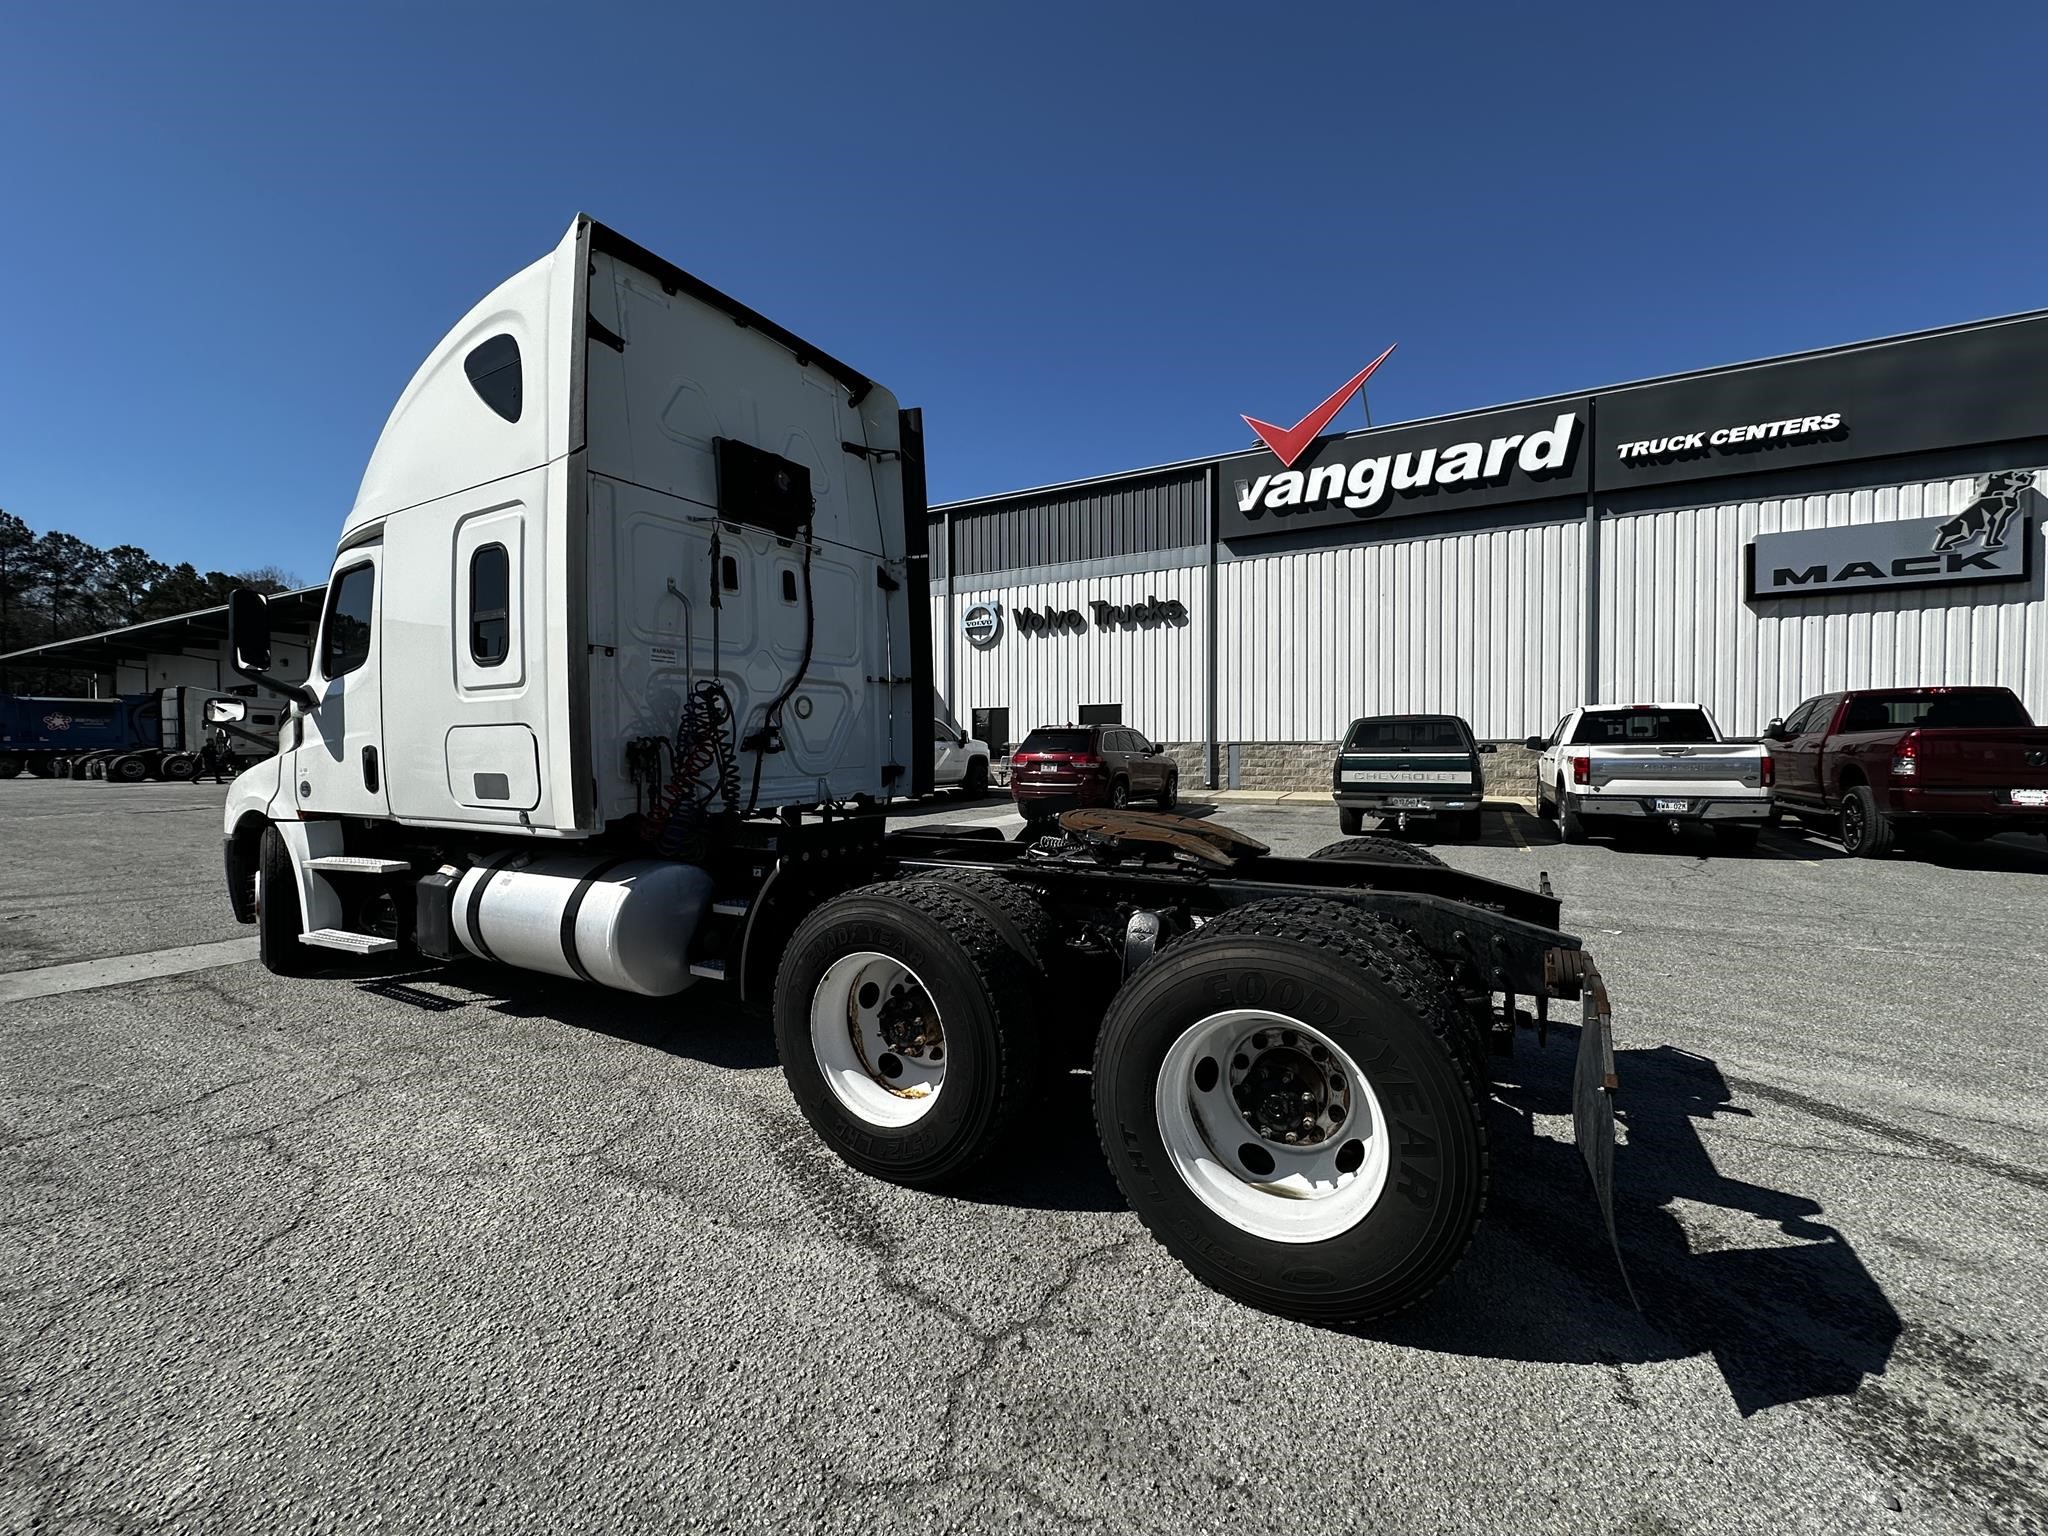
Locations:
(1288, 442)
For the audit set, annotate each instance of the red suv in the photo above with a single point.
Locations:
(1058, 767)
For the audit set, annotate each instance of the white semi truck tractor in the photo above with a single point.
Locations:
(626, 641)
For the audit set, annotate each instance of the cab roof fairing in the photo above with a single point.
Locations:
(441, 438)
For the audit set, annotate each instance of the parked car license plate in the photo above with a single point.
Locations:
(2030, 797)
(1673, 807)
(1408, 803)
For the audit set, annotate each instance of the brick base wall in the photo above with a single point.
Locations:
(1305, 765)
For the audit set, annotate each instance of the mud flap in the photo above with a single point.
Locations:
(1593, 1085)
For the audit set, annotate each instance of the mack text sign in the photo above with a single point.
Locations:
(1991, 539)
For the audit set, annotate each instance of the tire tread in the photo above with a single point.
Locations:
(1396, 965)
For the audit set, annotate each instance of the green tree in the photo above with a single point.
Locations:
(127, 578)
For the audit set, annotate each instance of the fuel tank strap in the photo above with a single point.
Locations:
(470, 918)
(574, 906)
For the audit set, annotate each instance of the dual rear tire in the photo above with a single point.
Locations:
(1285, 1095)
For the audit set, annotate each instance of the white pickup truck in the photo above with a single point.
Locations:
(1611, 765)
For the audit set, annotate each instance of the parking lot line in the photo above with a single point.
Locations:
(119, 970)
(1514, 831)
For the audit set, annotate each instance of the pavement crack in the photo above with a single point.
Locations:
(172, 1107)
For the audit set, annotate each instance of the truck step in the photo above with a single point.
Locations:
(356, 864)
(731, 906)
(352, 943)
(710, 970)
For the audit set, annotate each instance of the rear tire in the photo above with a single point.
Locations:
(1385, 850)
(178, 767)
(938, 954)
(1069, 995)
(1339, 1236)
(1119, 794)
(1570, 829)
(10, 765)
(1865, 831)
(127, 770)
(1170, 796)
(975, 784)
(278, 919)
(1350, 823)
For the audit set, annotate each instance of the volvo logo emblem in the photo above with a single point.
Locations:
(982, 623)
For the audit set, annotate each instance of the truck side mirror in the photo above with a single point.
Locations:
(226, 711)
(1536, 743)
(249, 631)
(1776, 731)
(249, 645)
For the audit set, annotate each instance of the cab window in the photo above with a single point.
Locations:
(345, 634)
(490, 605)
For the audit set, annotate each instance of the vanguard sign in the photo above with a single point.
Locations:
(1502, 456)
(1991, 539)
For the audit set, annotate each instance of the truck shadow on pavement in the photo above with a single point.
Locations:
(1788, 1314)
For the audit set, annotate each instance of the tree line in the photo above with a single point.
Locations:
(57, 586)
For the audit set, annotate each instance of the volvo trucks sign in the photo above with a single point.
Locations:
(1991, 539)
(983, 624)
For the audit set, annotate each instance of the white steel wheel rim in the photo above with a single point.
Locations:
(883, 1082)
(1223, 1151)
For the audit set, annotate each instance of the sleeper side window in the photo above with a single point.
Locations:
(345, 637)
(493, 369)
(490, 605)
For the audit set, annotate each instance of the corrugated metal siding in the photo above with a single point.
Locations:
(1123, 518)
(1156, 674)
(1484, 625)
(1674, 625)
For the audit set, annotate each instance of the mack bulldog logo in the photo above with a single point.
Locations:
(1989, 540)
(1987, 518)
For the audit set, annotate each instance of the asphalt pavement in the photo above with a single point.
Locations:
(465, 1249)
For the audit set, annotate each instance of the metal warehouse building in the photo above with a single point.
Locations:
(1746, 536)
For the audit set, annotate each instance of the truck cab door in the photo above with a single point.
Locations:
(1798, 756)
(338, 766)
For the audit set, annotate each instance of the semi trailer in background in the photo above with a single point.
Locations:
(161, 734)
(626, 641)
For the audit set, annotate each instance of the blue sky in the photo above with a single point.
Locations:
(1083, 237)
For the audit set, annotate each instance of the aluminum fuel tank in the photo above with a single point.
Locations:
(624, 923)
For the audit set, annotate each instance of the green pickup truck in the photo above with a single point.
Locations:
(1403, 768)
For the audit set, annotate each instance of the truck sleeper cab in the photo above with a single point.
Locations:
(628, 631)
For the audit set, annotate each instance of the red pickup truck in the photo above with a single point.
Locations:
(1878, 765)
